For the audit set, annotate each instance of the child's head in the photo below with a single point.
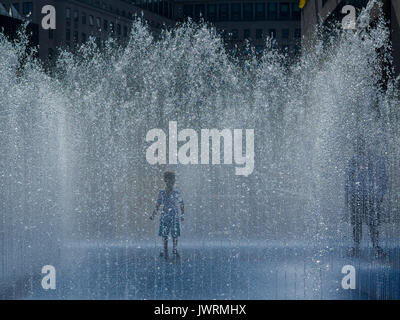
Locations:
(169, 178)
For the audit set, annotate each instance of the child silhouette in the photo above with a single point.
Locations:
(169, 198)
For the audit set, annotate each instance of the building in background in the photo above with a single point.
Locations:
(77, 20)
(247, 21)
(239, 22)
(11, 22)
(325, 11)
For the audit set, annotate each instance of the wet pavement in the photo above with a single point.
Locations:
(214, 271)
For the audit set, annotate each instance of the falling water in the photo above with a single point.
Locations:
(74, 175)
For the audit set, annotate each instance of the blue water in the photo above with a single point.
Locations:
(215, 271)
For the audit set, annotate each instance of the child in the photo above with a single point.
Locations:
(169, 220)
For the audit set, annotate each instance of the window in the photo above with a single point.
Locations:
(105, 25)
(118, 29)
(212, 12)
(164, 8)
(260, 11)
(68, 13)
(247, 11)
(83, 37)
(297, 33)
(235, 34)
(76, 16)
(187, 10)
(324, 2)
(272, 10)
(83, 17)
(199, 11)
(98, 23)
(168, 9)
(125, 31)
(246, 33)
(284, 11)
(76, 39)
(112, 27)
(68, 34)
(295, 11)
(236, 11)
(27, 8)
(16, 6)
(223, 12)
(285, 33)
(272, 33)
(259, 33)
(91, 20)
(51, 34)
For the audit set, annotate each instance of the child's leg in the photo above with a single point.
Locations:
(174, 243)
(165, 241)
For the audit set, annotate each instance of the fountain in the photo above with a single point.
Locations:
(73, 163)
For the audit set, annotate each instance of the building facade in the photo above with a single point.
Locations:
(247, 21)
(77, 20)
(240, 22)
(11, 22)
(323, 11)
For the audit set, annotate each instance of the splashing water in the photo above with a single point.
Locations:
(73, 164)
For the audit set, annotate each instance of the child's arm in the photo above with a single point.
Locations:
(182, 211)
(180, 200)
(155, 211)
(158, 204)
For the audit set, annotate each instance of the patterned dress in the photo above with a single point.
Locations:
(169, 220)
